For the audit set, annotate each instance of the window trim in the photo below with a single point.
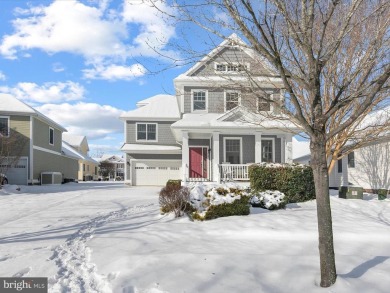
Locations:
(235, 63)
(145, 140)
(8, 124)
(271, 108)
(51, 129)
(192, 100)
(224, 98)
(224, 147)
(273, 149)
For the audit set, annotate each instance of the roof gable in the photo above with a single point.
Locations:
(233, 42)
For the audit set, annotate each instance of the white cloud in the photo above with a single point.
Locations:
(93, 120)
(50, 92)
(66, 26)
(2, 76)
(95, 32)
(155, 29)
(58, 67)
(115, 72)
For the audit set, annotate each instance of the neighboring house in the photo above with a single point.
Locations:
(214, 127)
(88, 167)
(118, 163)
(301, 151)
(367, 167)
(43, 151)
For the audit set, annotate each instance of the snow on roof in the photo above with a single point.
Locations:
(236, 118)
(156, 107)
(300, 148)
(154, 149)
(74, 140)
(111, 158)
(11, 106)
(69, 151)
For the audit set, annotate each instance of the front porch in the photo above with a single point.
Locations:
(222, 157)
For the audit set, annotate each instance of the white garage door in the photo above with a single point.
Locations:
(18, 173)
(155, 172)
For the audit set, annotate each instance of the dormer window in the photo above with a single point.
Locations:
(232, 100)
(199, 100)
(231, 67)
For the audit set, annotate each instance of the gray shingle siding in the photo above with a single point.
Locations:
(165, 135)
(230, 55)
(216, 98)
(199, 142)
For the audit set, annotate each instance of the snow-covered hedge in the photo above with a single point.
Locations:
(294, 180)
(214, 201)
(269, 199)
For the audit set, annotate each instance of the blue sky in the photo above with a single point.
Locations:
(83, 63)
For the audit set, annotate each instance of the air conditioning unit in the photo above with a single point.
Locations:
(49, 178)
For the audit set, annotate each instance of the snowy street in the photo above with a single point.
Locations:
(107, 237)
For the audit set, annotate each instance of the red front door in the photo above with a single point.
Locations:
(198, 162)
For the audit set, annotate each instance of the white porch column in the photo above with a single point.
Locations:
(288, 149)
(215, 148)
(257, 147)
(185, 156)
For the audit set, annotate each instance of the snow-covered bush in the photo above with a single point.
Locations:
(217, 201)
(269, 199)
(174, 198)
(294, 180)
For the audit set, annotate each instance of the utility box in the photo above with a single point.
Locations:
(48, 178)
(382, 194)
(351, 192)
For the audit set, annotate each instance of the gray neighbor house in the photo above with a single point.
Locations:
(214, 127)
(44, 158)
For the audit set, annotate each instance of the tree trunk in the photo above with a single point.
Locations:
(324, 215)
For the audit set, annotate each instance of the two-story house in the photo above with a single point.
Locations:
(42, 151)
(216, 125)
(88, 167)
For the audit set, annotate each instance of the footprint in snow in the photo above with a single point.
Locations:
(22, 273)
(4, 258)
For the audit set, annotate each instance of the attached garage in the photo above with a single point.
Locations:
(155, 172)
(18, 174)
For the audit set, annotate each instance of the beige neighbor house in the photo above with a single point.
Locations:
(43, 155)
(210, 130)
(88, 167)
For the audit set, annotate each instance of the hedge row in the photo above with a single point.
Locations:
(295, 181)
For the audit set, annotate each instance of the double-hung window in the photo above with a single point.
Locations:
(199, 100)
(51, 136)
(233, 148)
(232, 100)
(146, 132)
(263, 105)
(4, 126)
(351, 160)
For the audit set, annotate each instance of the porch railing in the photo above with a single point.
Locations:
(234, 172)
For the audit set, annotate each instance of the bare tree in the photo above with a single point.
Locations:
(333, 58)
(11, 149)
(107, 168)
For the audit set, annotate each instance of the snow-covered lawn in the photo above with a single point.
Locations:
(106, 237)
